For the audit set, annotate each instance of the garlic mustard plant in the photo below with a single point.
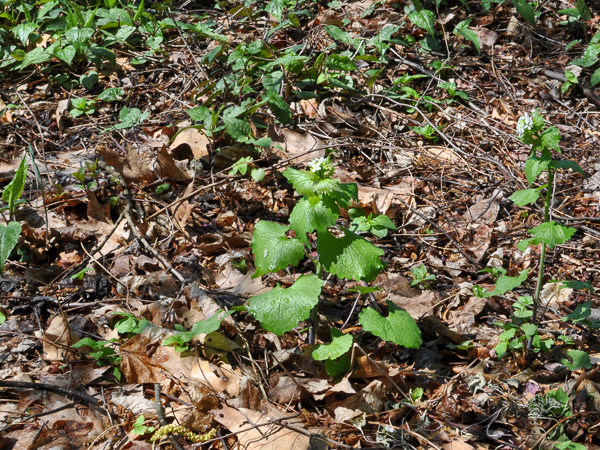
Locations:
(345, 254)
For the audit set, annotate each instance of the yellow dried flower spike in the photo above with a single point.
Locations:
(183, 431)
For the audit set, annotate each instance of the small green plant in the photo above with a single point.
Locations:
(82, 106)
(421, 276)
(242, 166)
(544, 141)
(129, 324)
(182, 340)
(88, 170)
(571, 81)
(79, 275)
(140, 428)
(103, 353)
(453, 93)
(130, 117)
(9, 234)
(163, 188)
(310, 234)
(376, 224)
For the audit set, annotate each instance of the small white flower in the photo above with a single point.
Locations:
(317, 165)
(524, 124)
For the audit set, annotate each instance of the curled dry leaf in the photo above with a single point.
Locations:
(269, 437)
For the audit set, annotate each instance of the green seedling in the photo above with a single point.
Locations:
(103, 353)
(82, 106)
(378, 224)
(421, 276)
(140, 428)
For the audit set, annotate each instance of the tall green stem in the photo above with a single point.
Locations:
(314, 313)
(540, 280)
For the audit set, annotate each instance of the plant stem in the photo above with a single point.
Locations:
(314, 313)
(540, 280)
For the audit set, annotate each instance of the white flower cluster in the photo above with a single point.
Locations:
(524, 124)
(317, 165)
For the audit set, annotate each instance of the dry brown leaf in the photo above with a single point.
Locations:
(457, 445)
(269, 437)
(419, 306)
(222, 378)
(369, 400)
(58, 332)
(297, 144)
(485, 210)
(310, 107)
(190, 141)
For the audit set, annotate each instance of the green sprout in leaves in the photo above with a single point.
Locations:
(312, 233)
(103, 353)
(421, 276)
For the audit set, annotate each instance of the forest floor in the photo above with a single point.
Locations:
(139, 215)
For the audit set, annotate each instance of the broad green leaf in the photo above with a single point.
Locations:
(350, 257)
(340, 344)
(535, 165)
(584, 12)
(36, 56)
(595, 78)
(199, 113)
(130, 117)
(525, 10)
(111, 94)
(309, 183)
(399, 327)
(380, 224)
(506, 283)
(529, 329)
(342, 36)
(280, 109)
(98, 54)
(337, 368)
(280, 309)
(567, 164)
(525, 197)
(462, 28)
(522, 245)
(2, 318)
(66, 54)
(9, 237)
(276, 8)
(424, 19)
(206, 326)
(590, 56)
(580, 360)
(23, 30)
(272, 249)
(14, 189)
(577, 285)
(339, 62)
(552, 233)
(501, 348)
(345, 194)
(313, 214)
(89, 80)
(238, 129)
(581, 312)
(549, 138)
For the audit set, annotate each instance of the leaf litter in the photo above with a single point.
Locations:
(160, 230)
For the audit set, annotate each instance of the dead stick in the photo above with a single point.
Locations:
(20, 385)
(162, 418)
